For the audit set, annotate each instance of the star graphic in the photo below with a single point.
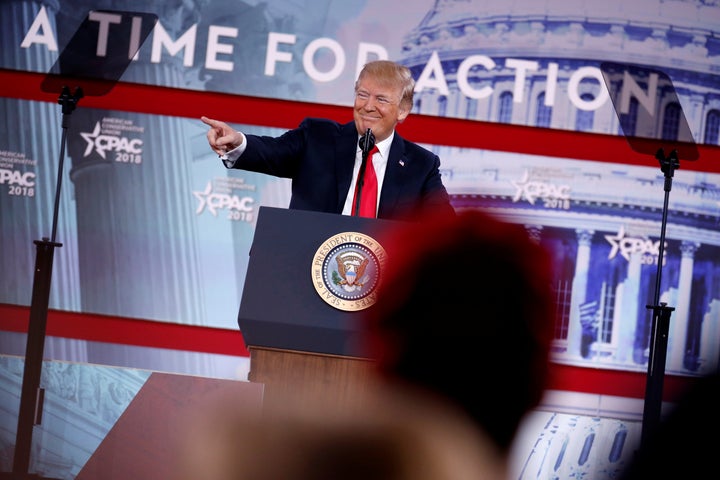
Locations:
(90, 139)
(520, 188)
(614, 240)
(202, 196)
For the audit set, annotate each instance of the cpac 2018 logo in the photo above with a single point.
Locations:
(552, 196)
(627, 246)
(20, 183)
(238, 208)
(126, 150)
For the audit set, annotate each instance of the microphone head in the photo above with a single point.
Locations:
(368, 138)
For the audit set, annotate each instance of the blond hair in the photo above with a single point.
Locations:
(391, 74)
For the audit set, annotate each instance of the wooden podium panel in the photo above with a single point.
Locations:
(300, 377)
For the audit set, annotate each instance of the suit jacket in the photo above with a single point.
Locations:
(319, 156)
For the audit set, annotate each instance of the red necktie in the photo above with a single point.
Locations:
(368, 198)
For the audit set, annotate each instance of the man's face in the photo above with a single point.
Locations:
(377, 107)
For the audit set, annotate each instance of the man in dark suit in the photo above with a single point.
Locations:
(323, 157)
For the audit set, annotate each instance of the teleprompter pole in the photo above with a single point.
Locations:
(661, 316)
(32, 396)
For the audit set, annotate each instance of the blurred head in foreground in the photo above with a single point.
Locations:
(459, 339)
(389, 438)
(464, 313)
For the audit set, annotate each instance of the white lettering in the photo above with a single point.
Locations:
(464, 70)
(214, 47)
(551, 84)
(324, 60)
(432, 76)
(186, 41)
(628, 246)
(14, 177)
(532, 190)
(135, 33)
(521, 67)
(222, 201)
(33, 35)
(309, 56)
(273, 55)
(574, 84)
(104, 19)
(631, 88)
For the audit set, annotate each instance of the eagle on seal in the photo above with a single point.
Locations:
(352, 270)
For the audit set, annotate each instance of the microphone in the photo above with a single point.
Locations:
(366, 143)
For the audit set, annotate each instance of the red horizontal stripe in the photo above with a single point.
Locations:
(286, 114)
(128, 331)
(619, 383)
(144, 333)
(420, 128)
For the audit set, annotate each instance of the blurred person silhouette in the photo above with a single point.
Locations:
(323, 157)
(389, 437)
(683, 444)
(464, 314)
(459, 341)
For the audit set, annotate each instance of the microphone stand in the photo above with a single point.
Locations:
(367, 142)
(661, 317)
(617, 76)
(32, 396)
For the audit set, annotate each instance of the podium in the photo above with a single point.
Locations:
(305, 340)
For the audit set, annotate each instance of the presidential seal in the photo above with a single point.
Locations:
(346, 270)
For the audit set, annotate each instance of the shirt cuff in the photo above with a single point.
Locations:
(229, 158)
